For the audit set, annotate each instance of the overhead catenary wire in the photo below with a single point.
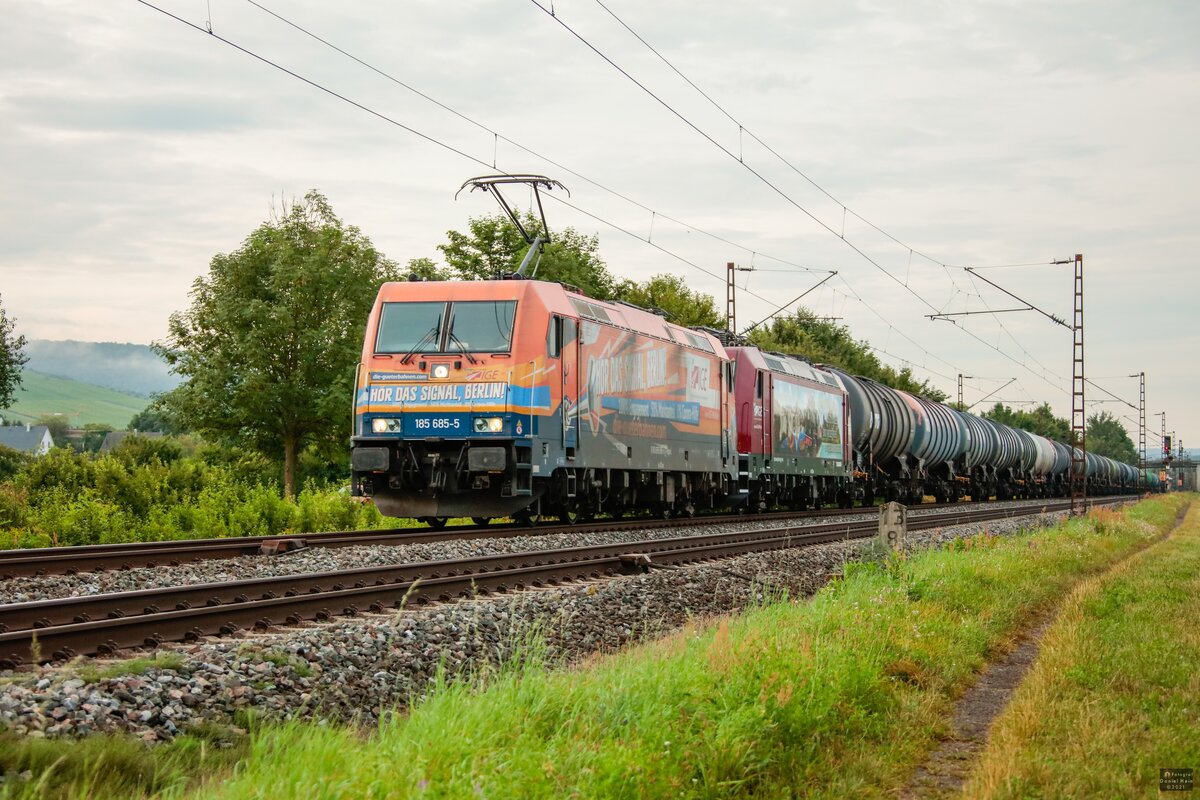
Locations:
(742, 128)
(484, 162)
(498, 137)
(762, 178)
(775, 188)
(428, 138)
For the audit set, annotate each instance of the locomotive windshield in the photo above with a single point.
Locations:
(410, 328)
(483, 327)
(475, 326)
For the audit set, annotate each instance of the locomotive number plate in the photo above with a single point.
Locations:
(435, 424)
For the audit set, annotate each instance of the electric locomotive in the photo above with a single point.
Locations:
(523, 398)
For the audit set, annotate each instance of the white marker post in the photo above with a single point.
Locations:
(893, 525)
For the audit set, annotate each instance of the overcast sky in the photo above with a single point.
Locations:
(930, 135)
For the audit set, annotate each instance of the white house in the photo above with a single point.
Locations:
(33, 439)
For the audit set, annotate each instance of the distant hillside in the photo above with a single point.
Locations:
(131, 368)
(80, 402)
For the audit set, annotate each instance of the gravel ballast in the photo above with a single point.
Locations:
(357, 669)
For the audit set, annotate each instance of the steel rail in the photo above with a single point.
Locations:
(124, 556)
(63, 628)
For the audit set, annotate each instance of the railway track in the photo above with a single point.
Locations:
(103, 624)
(125, 556)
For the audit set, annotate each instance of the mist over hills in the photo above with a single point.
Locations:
(131, 368)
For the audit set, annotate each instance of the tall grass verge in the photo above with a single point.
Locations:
(102, 767)
(840, 696)
(1114, 695)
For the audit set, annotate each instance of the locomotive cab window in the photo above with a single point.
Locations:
(560, 335)
(483, 326)
(554, 337)
(474, 326)
(758, 385)
(410, 327)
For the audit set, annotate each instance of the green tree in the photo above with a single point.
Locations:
(58, 425)
(157, 418)
(823, 342)
(494, 246)
(269, 344)
(670, 293)
(1107, 437)
(425, 269)
(93, 436)
(12, 358)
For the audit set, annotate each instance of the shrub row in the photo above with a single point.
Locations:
(148, 490)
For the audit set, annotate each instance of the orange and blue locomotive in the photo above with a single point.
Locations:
(524, 398)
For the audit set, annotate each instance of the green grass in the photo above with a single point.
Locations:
(1115, 693)
(82, 403)
(841, 696)
(102, 767)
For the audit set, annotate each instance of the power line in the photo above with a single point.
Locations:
(742, 129)
(501, 137)
(768, 183)
(484, 163)
(729, 153)
(1110, 394)
(427, 137)
(314, 84)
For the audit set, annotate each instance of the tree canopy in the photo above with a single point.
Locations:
(823, 342)
(12, 358)
(670, 293)
(1106, 436)
(494, 246)
(157, 418)
(269, 344)
(1040, 420)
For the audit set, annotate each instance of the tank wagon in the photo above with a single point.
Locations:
(525, 398)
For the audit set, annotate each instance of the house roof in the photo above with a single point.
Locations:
(114, 438)
(18, 437)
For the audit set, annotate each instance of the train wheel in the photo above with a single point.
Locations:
(481, 520)
(568, 515)
(435, 522)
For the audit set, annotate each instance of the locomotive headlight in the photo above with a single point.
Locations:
(441, 371)
(385, 425)
(489, 424)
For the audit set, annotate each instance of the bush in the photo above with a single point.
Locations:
(12, 462)
(148, 490)
(143, 451)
